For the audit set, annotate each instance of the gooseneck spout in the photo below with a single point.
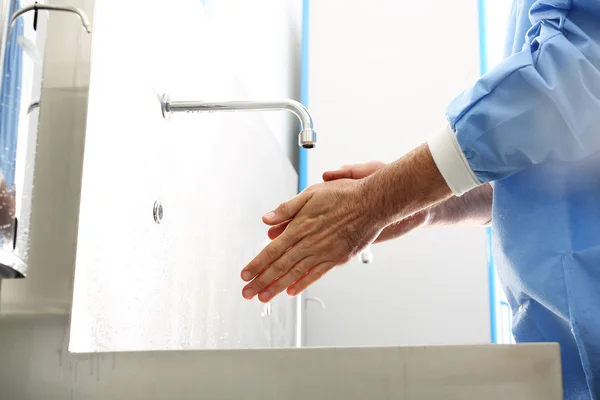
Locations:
(307, 137)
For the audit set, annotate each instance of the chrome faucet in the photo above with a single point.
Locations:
(307, 138)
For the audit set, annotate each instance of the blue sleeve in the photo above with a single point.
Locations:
(541, 103)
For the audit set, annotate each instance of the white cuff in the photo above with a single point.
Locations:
(452, 162)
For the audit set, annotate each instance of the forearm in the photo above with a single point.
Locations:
(473, 208)
(404, 187)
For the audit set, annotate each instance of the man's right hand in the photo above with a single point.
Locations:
(360, 171)
(471, 209)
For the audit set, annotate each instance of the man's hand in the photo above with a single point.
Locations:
(360, 171)
(327, 225)
(330, 223)
(393, 231)
(356, 171)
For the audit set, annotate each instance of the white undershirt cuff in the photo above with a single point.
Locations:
(452, 162)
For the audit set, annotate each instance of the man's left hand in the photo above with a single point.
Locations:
(328, 224)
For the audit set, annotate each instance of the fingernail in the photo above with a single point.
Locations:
(246, 275)
(248, 293)
(269, 216)
(264, 296)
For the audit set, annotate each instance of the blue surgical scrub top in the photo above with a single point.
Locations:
(531, 127)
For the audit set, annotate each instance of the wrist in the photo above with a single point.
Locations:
(403, 188)
(370, 204)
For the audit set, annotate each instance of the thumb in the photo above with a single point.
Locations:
(287, 210)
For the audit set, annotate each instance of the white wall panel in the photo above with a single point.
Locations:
(140, 285)
(380, 76)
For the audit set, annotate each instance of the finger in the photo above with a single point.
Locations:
(311, 277)
(356, 171)
(271, 253)
(343, 172)
(273, 272)
(295, 273)
(337, 174)
(277, 230)
(403, 227)
(287, 210)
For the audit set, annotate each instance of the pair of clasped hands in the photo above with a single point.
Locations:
(321, 228)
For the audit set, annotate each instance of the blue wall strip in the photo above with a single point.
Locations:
(492, 287)
(483, 68)
(483, 56)
(303, 157)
